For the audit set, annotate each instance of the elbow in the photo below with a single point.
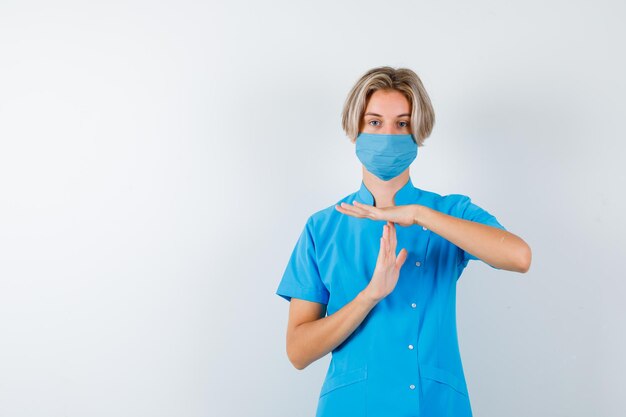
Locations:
(295, 357)
(296, 361)
(524, 258)
(298, 366)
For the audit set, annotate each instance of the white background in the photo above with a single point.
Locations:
(158, 161)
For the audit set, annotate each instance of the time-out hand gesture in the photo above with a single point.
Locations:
(388, 265)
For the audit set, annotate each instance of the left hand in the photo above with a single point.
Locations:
(403, 215)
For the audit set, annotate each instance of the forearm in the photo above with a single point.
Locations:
(312, 340)
(494, 246)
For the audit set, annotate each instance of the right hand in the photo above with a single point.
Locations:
(388, 265)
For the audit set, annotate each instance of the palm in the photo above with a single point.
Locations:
(388, 264)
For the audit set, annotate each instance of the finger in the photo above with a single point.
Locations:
(368, 210)
(381, 250)
(386, 240)
(393, 237)
(346, 207)
(348, 211)
(362, 205)
(386, 249)
(353, 206)
(359, 210)
(391, 256)
(385, 255)
(374, 213)
(401, 258)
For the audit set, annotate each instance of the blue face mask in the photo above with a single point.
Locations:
(385, 156)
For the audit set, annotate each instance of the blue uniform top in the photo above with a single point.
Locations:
(403, 359)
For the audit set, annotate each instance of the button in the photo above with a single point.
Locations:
(412, 386)
(410, 346)
(424, 227)
(418, 263)
(413, 305)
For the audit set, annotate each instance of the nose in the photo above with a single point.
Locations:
(391, 130)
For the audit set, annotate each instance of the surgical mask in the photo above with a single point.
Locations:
(385, 156)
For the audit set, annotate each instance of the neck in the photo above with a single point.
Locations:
(384, 191)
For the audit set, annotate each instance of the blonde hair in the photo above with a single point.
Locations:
(403, 80)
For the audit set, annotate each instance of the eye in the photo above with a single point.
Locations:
(370, 122)
(406, 124)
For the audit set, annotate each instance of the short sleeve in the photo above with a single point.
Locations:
(467, 210)
(301, 278)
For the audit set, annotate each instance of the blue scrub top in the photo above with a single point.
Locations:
(403, 359)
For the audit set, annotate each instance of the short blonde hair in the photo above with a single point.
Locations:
(403, 80)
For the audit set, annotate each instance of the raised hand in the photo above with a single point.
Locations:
(388, 265)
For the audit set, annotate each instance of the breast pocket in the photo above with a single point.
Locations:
(343, 394)
(443, 393)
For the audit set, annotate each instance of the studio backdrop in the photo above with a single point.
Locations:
(158, 161)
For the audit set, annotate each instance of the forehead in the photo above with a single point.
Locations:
(388, 103)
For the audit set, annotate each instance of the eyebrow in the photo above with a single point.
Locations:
(378, 115)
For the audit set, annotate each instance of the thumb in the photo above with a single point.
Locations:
(401, 258)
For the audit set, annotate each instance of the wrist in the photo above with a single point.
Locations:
(418, 211)
(367, 298)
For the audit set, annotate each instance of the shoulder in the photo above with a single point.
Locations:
(454, 203)
(446, 203)
(329, 214)
(328, 218)
(462, 206)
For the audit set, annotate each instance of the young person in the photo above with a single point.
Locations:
(389, 316)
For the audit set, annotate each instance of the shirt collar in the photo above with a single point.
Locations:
(405, 195)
